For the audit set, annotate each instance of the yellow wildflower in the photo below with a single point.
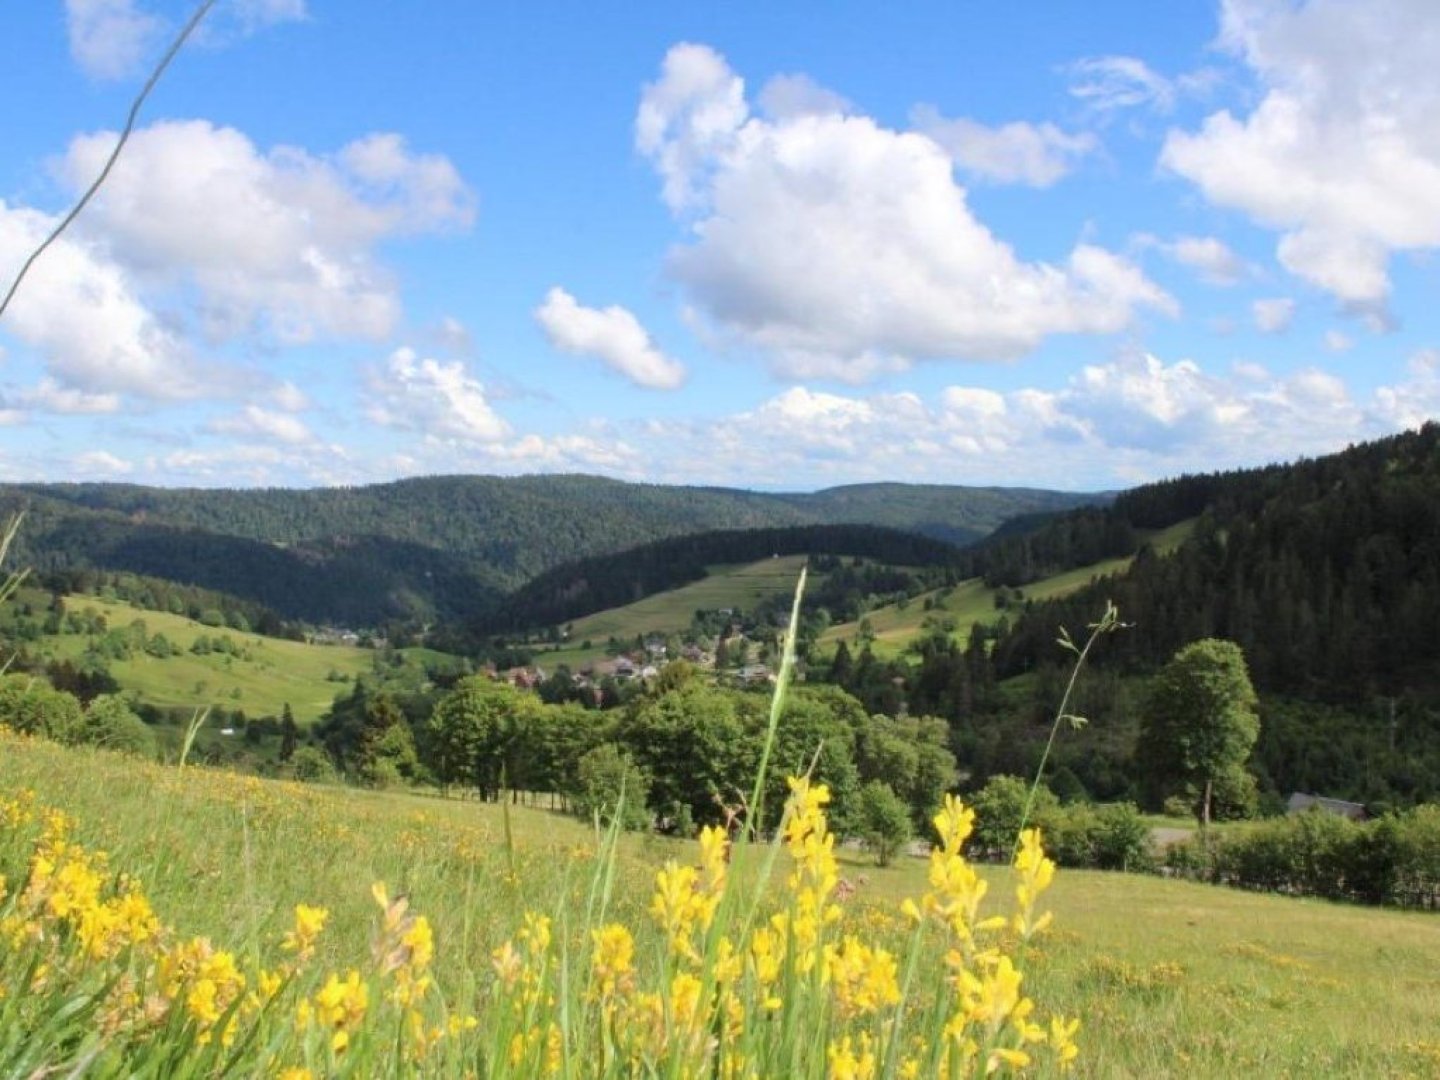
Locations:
(1035, 873)
(309, 922)
(1062, 1041)
(863, 980)
(612, 960)
(849, 1062)
(341, 1004)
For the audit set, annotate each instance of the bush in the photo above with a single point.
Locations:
(1395, 860)
(1122, 839)
(999, 807)
(884, 821)
(311, 765)
(609, 782)
(30, 705)
(109, 722)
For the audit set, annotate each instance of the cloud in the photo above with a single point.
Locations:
(258, 464)
(280, 242)
(109, 39)
(116, 39)
(290, 397)
(453, 336)
(256, 14)
(1338, 341)
(1209, 256)
(1341, 155)
(841, 248)
(1415, 399)
(687, 117)
(50, 396)
(437, 398)
(99, 463)
(784, 97)
(1273, 316)
(199, 238)
(1036, 155)
(612, 335)
(84, 314)
(1137, 417)
(568, 453)
(255, 422)
(1110, 83)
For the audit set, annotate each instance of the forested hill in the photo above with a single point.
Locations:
(1326, 572)
(446, 546)
(605, 581)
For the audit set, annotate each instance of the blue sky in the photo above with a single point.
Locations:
(769, 246)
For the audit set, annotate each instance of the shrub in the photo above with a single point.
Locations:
(611, 782)
(884, 821)
(1122, 839)
(999, 809)
(109, 722)
(311, 765)
(30, 705)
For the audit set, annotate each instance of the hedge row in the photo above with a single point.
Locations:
(1392, 860)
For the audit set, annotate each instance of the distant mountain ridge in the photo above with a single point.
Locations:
(443, 546)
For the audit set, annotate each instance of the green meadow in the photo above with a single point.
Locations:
(742, 586)
(1170, 979)
(260, 678)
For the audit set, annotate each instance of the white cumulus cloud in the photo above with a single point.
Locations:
(784, 97)
(842, 248)
(279, 241)
(84, 314)
(437, 398)
(612, 335)
(1341, 155)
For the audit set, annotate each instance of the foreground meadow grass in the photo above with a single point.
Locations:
(1169, 978)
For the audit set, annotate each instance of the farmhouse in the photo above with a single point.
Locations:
(1300, 802)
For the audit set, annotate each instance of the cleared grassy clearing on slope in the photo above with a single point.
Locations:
(740, 587)
(277, 671)
(1171, 979)
(971, 602)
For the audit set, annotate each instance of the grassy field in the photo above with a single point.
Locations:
(275, 672)
(971, 602)
(740, 587)
(1170, 979)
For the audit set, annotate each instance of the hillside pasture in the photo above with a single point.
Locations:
(1170, 979)
(895, 626)
(260, 677)
(739, 587)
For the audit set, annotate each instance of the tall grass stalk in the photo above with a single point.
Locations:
(1108, 623)
(196, 723)
(755, 811)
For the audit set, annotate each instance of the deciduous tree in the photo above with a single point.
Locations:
(1199, 722)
